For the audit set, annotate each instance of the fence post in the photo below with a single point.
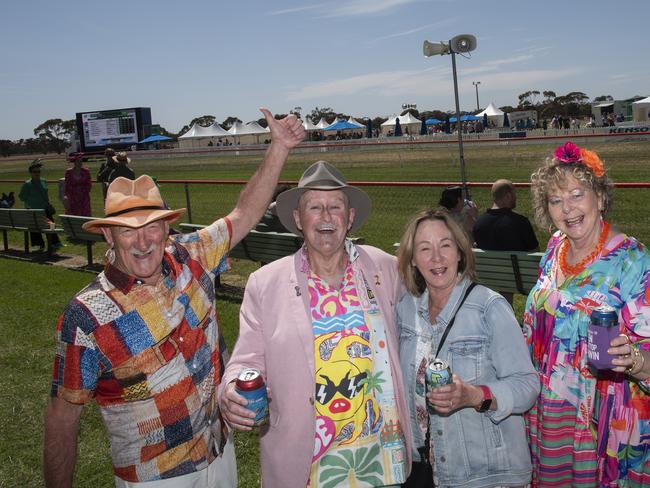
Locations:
(188, 205)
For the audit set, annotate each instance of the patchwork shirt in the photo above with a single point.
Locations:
(151, 356)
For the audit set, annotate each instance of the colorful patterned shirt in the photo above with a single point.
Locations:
(152, 357)
(589, 427)
(359, 441)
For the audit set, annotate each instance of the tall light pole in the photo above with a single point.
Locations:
(460, 44)
(476, 84)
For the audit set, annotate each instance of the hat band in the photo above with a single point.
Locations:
(133, 209)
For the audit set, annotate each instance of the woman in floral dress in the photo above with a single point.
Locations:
(589, 427)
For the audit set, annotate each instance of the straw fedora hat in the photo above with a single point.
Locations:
(133, 203)
(322, 176)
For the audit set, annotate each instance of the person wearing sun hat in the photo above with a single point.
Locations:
(320, 327)
(34, 194)
(143, 338)
(589, 427)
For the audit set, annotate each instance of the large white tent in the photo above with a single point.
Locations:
(641, 110)
(494, 114)
(407, 122)
(356, 122)
(196, 131)
(199, 136)
(322, 123)
(308, 125)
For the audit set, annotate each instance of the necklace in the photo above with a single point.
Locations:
(576, 269)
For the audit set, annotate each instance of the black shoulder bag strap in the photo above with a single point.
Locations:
(427, 439)
(453, 318)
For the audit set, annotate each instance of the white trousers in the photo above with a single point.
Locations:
(222, 473)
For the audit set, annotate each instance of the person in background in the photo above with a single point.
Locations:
(106, 169)
(270, 221)
(588, 427)
(465, 213)
(472, 431)
(77, 188)
(320, 327)
(121, 168)
(501, 229)
(34, 194)
(143, 338)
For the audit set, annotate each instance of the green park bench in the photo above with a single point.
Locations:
(26, 221)
(507, 271)
(72, 227)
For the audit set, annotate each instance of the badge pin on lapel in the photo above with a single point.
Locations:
(297, 288)
(377, 280)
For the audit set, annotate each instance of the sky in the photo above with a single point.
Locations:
(360, 57)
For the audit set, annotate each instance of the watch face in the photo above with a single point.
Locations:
(485, 406)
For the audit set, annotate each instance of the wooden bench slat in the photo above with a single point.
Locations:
(72, 224)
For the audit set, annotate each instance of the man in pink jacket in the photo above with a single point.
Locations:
(319, 325)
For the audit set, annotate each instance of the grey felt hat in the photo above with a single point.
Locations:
(322, 176)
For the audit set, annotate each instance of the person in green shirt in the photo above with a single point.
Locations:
(34, 194)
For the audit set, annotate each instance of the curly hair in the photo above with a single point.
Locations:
(411, 277)
(553, 175)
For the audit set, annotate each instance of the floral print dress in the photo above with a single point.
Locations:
(589, 428)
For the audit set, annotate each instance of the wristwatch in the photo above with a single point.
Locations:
(487, 399)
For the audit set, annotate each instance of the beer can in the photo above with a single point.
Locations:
(603, 328)
(438, 373)
(250, 385)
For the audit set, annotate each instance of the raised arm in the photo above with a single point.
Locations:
(60, 444)
(286, 134)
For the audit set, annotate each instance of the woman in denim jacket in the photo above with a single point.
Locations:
(476, 431)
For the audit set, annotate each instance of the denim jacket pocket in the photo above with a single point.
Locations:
(465, 357)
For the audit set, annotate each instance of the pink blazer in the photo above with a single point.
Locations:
(275, 336)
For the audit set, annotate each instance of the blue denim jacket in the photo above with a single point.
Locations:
(485, 346)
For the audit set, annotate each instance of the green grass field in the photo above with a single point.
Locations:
(34, 295)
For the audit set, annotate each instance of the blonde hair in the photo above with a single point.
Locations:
(553, 175)
(411, 277)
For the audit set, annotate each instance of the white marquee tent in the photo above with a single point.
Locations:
(641, 110)
(308, 125)
(322, 123)
(356, 122)
(494, 114)
(407, 122)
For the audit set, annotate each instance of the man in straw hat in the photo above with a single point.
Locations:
(319, 325)
(144, 341)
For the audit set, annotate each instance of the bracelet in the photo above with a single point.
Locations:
(632, 369)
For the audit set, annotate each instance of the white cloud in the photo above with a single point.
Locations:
(350, 8)
(297, 9)
(434, 26)
(364, 7)
(421, 83)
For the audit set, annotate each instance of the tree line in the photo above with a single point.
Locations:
(53, 135)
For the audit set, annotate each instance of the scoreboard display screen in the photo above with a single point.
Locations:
(114, 128)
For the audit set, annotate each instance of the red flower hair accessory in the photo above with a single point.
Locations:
(570, 153)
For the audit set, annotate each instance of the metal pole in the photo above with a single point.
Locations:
(476, 84)
(187, 202)
(460, 131)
